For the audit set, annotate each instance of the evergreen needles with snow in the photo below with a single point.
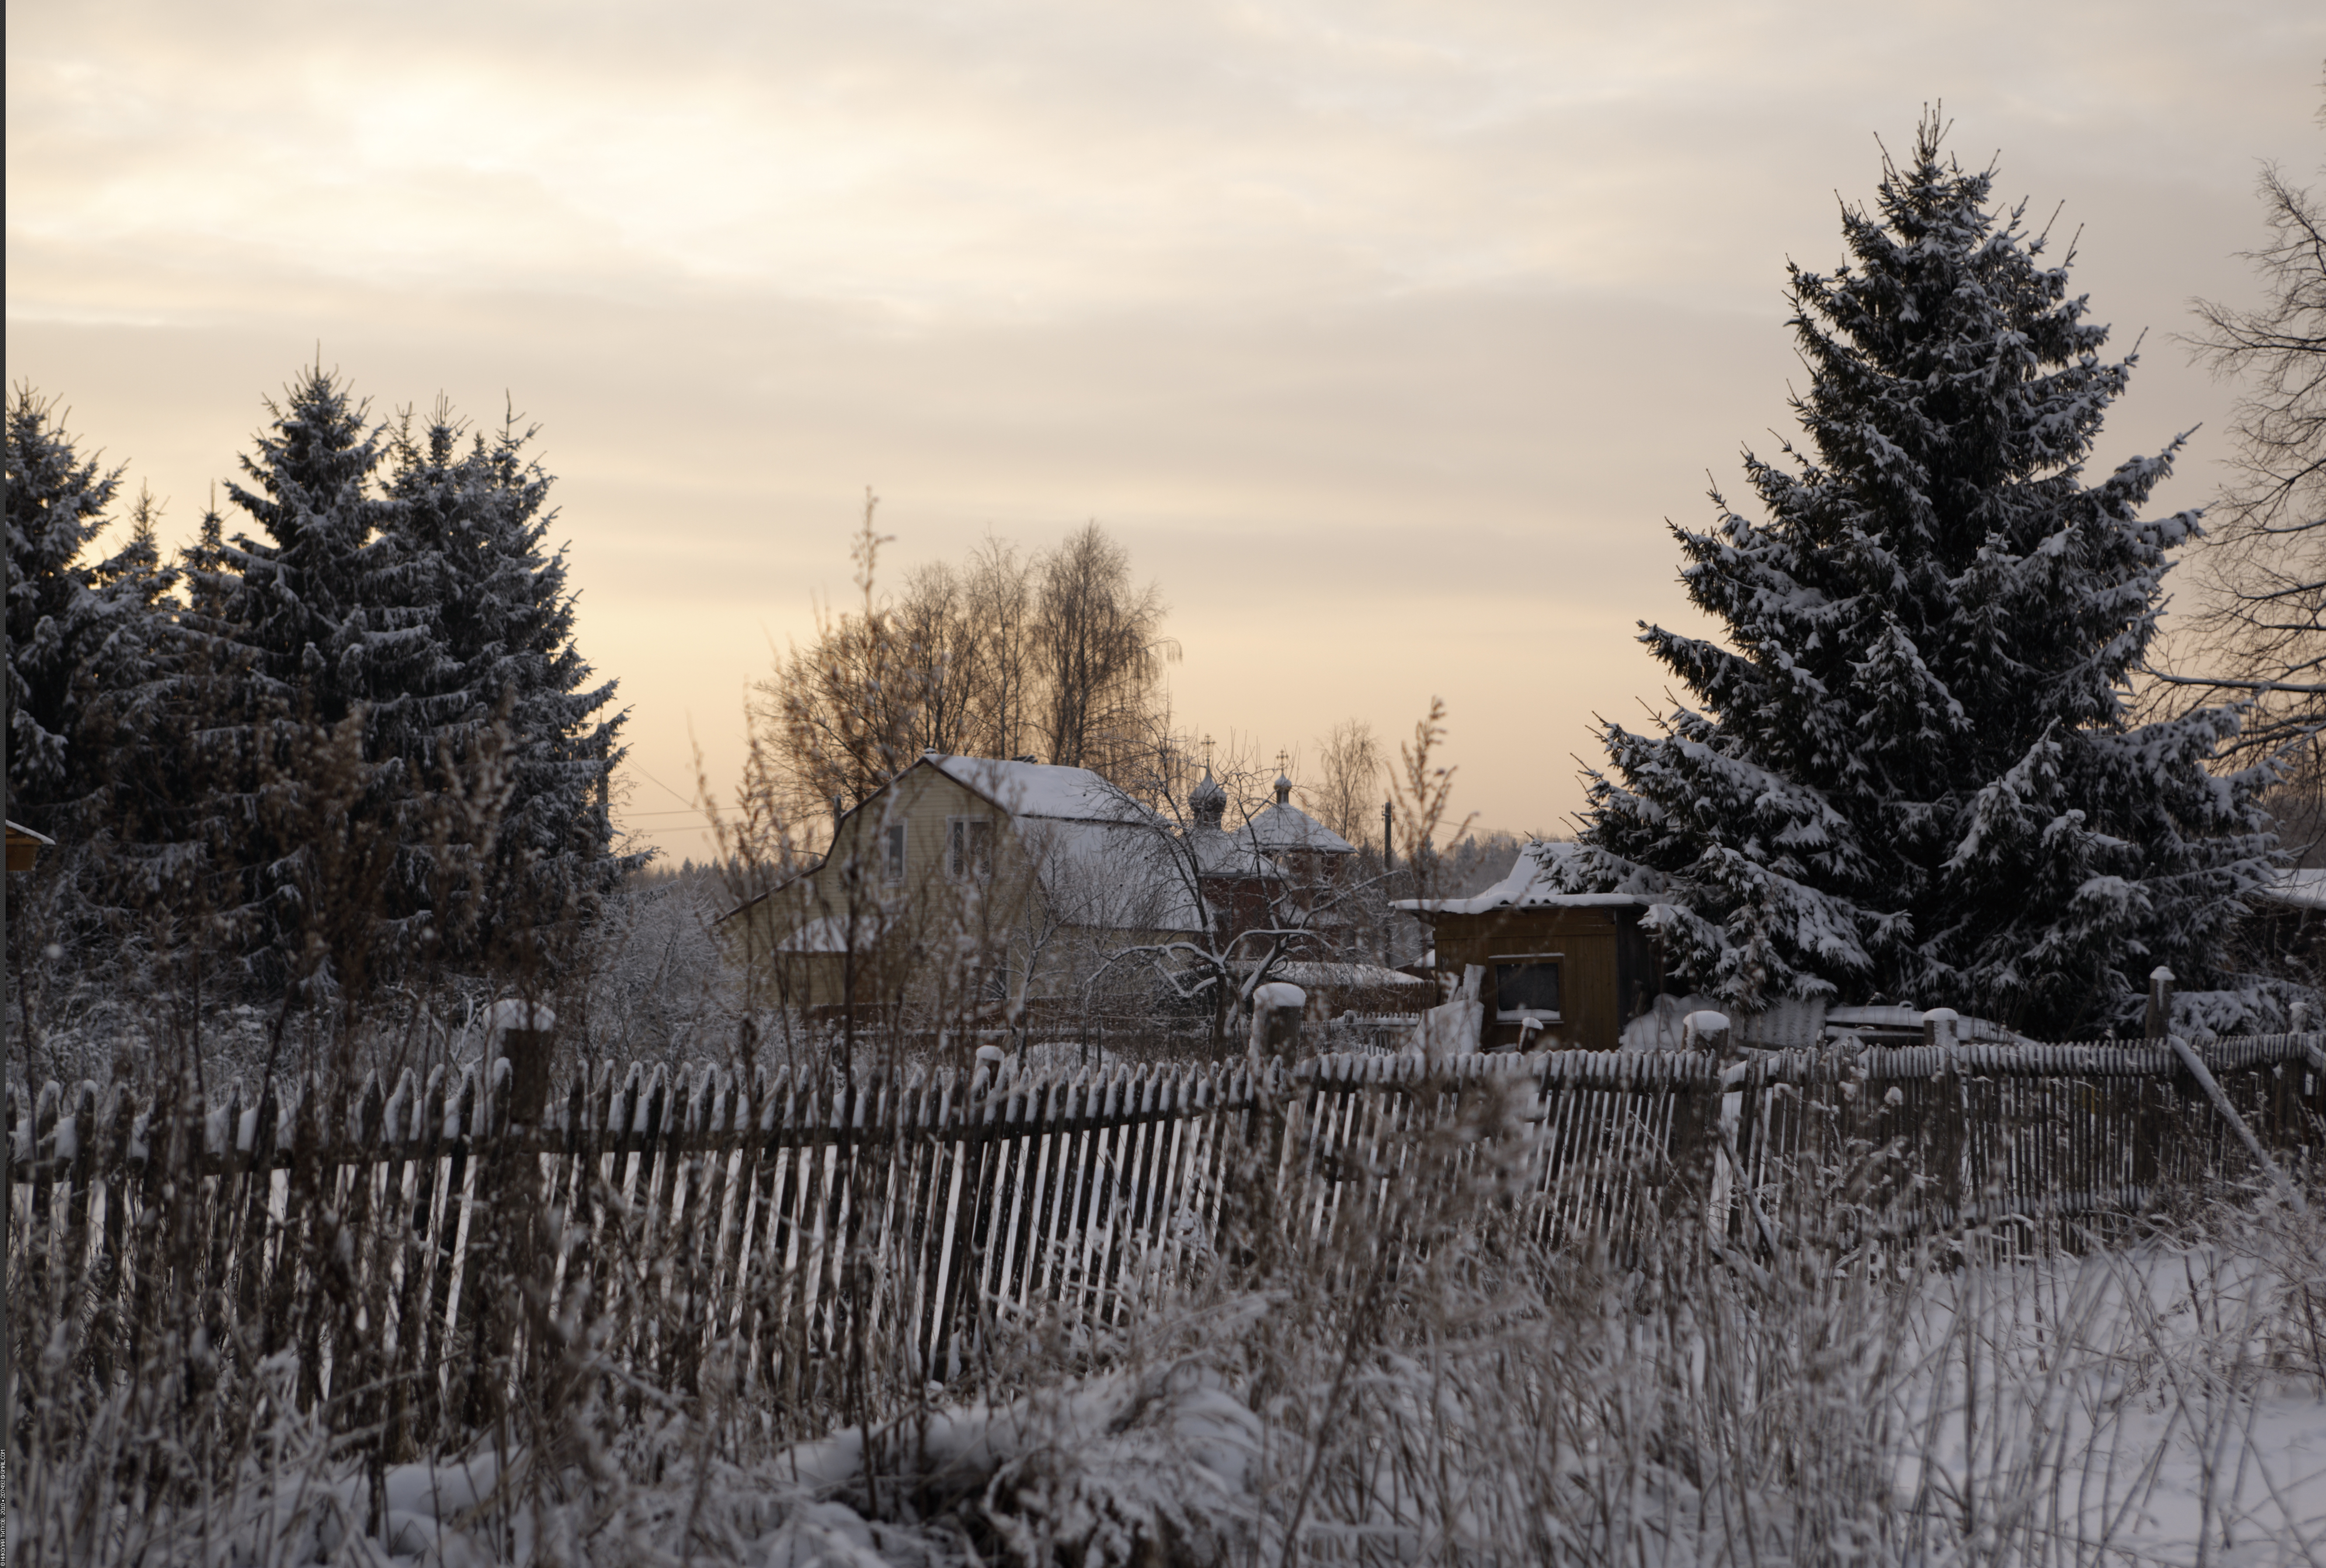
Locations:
(310, 629)
(503, 683)
(82, 634)
(1910, 772)
(409, 639)
(94, 662)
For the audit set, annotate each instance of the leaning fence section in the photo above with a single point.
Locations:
(424, 1252)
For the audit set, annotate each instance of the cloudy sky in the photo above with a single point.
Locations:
(1386, 336)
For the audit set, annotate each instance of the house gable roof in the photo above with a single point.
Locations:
(1033, 789)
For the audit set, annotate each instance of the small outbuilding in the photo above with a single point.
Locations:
(1582, 971)
(24, 847)
(1552, 970)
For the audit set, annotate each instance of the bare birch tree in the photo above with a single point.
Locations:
(1348, 794)
(1058, 658)
(2263, 568)
(843, 714)
(1099, 641)
(998, 597)
(945, 641)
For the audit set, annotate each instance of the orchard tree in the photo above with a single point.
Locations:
(1910, 770)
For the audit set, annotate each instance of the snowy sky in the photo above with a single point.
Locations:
(1386, 335)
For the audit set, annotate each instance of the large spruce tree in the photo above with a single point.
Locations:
(318, 598)
(1909, 771)
(505, 689)
(313, 640)
(87, 636)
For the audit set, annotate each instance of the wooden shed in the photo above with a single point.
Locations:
(1554, 970)
(24, 847)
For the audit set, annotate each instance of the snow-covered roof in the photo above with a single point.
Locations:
(2301, 888)
(1217, 853)
(510, 1012)
(1284, 827)
(1104, 859)
(1325, 976)
(1875, 1017)
(1121, 876)
(1033, 789)
(1794, 1023)
(1530, 885)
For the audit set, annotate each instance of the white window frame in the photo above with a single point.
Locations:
(966, 857)
(895, 844)
(1514, 1015)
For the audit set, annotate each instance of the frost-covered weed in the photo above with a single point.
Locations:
(1422, 1381)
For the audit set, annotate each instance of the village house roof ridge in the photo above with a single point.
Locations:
(1499, 897)
(1037, 789)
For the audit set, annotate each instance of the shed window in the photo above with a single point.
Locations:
(1526, 985)
(969, 849)
(892, 852)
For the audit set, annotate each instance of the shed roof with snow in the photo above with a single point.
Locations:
(24, 846)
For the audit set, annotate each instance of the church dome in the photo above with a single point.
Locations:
(1209, 801)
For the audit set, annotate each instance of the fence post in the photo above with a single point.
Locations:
(529, 1052)
(1690, 1144)
(2158, 1023)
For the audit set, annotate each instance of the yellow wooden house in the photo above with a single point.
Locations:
(969, 884)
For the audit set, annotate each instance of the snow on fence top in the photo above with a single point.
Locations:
(709, 1102)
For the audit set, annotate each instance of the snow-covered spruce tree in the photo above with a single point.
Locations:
(86, 638)
(320, 602)
(505, 690)
(1910, 773)
(311, 622)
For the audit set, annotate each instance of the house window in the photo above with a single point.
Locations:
(892, 852)
(969, 849)
(1526, 985)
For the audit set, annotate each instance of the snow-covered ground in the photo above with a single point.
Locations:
(2160, 1405)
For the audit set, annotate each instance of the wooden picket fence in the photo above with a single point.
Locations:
(424, 1259)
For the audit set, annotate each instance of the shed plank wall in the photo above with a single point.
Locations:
(1591, 1007)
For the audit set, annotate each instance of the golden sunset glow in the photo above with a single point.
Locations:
(1386, 336)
